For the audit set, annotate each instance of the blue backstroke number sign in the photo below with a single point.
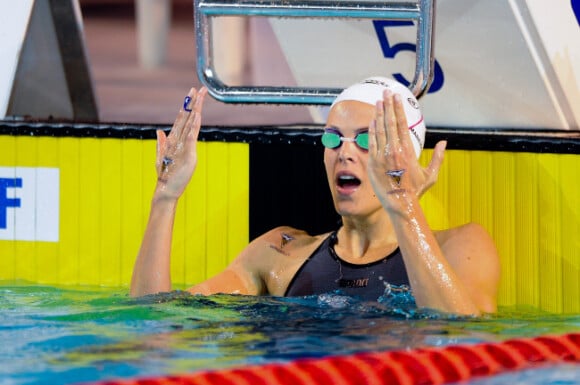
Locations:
(5, 202)
(390, 51)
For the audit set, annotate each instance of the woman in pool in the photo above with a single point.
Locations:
(375, 181)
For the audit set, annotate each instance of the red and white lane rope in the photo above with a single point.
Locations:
(406, 367)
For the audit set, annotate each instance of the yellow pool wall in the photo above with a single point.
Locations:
(106, 187)
(529, 202)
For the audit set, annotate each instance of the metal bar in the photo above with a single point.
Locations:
(424, 58)
(422, 12)
(320, 9)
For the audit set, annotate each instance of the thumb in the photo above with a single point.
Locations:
(161, 140)
(436, 161)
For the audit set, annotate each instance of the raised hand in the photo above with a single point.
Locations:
(393, 167)
(177, 152)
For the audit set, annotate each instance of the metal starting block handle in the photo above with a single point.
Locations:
(421, 11)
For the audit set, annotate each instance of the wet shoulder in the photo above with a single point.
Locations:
(468, 247)
(460, 234)
(288, 249)
(292, 242)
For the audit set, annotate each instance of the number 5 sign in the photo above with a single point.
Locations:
(391, 51)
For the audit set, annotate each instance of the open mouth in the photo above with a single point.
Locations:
(347, 181)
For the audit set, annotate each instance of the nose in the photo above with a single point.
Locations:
(345, 151)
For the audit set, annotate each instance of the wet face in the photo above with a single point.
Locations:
(346, 165)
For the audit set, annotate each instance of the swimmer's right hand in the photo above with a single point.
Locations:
(176, 152)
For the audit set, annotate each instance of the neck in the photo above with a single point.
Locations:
(363, 238)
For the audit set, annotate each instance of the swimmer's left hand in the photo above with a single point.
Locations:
(177, 152)
(391, 148)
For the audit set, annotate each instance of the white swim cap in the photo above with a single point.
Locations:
(371, 90)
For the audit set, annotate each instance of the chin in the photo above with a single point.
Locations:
(347, 210)
(352, 209)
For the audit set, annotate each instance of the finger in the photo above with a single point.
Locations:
(194, 134)
(436, 161)
(372, 137)
(192, 137)
(161, 142)
(402, 125)
(188, 101)
(188, 107)
(380, 135)
(182, 116)
(390, 119)
(197, 112)
(200, 99)
(193, 124)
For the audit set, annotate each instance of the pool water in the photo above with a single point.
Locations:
(64, 335)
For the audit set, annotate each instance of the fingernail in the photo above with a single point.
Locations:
(187, 103)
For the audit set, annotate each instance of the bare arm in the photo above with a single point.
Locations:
(242, 276)
(436, 283)
(175, 164)
(472, 254)
(457, 277)
(235, 279)
(265, 266)
(151, 272)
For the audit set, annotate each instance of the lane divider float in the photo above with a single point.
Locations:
(404, 367)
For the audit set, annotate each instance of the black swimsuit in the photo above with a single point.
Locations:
(325, 272)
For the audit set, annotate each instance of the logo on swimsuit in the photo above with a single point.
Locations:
(361, 282)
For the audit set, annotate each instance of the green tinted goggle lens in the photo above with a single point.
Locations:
(333, 139)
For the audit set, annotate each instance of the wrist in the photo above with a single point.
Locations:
(163, 196)
(401, 203)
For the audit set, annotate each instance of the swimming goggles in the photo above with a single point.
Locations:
(332, 138)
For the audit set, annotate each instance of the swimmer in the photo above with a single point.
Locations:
(376, 181)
